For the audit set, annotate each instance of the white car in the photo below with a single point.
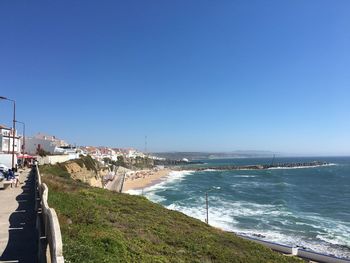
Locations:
(3, 168)
(2, 176)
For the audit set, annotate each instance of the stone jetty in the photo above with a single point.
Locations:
(264, 166)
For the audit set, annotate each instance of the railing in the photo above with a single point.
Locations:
(50, 240)
(299, 252)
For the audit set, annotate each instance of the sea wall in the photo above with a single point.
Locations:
(296, 251)
(263, 167)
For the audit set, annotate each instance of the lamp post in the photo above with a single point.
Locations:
(24, 140)
(207, 203)
(14, 129)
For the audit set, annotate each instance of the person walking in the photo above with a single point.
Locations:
(10, 176)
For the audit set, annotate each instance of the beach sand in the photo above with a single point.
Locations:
(144, 178)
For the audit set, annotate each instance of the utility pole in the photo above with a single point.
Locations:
(24, 140)
(207, 207)
(207, 201)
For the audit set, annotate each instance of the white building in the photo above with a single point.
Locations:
(6, 140)
(134, 153)
(45, 142)
(6, 144)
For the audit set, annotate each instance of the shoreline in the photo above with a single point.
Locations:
(144, 178)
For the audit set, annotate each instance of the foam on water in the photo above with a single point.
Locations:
(151, 191)
(134, 192)
(227, 217)
(249, 184)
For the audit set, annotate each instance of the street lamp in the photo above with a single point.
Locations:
(24, 140)
(206, 201)
(14, 129)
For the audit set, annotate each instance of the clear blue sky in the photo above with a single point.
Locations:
(191, 75)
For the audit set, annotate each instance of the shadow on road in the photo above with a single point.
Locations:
(22, 244)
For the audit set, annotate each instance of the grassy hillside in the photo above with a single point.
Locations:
(102, 226)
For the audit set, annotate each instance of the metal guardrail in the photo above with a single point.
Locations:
(50, 239)
(299, 252)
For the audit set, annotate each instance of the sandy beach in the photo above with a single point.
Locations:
(144, 178)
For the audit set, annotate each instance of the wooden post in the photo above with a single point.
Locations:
(207, 208)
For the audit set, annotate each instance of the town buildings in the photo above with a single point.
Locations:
(53, 149)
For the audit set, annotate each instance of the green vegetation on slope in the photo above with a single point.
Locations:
(59, 169)
(88, 162)
(102, 226)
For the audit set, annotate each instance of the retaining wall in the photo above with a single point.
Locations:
(297, 251)
(53, 159)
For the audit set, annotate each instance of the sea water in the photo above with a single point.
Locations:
(307, 207)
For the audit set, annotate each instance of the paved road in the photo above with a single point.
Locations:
(116, 184)
(18, 236)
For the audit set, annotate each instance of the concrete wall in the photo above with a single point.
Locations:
(299, 252)
(52, 159)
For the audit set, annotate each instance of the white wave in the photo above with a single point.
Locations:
(244, 176)
(134, 192)
(219, 207)
(226, 215)
(335, 240)
(248, 184)
(151, 191)
(172, 177)
(331, 164)
(217, 217)
(154, 197)
(308, 224)
(177, 176)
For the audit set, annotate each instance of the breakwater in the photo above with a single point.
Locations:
(263, 166)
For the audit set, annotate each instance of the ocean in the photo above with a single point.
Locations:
(306, 207)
